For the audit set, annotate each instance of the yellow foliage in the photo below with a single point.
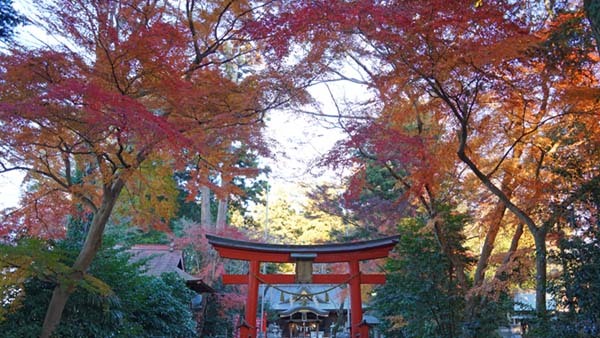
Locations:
(398, 322)
(150, 197)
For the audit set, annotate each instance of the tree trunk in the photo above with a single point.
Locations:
(496, 216)
(92, 244)
(478, 302)
(539, 233)
(205, 214)
(222, 213)
(540, 277)
(514, 245)
(474, 300)
(60, 295)
(488, 245)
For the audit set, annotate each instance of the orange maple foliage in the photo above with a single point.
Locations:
(484, 95)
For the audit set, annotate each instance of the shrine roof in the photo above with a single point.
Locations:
(294, 310)
(165, 259)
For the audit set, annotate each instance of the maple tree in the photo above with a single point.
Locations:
(499, 83)
(126, 86)
(149, 199)
(203, 261)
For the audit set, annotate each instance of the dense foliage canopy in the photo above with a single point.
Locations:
(141, 110)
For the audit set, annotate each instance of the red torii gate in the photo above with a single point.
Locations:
(304, 256)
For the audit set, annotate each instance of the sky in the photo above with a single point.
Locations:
(9, 189)
(298, 141)
(301, 139)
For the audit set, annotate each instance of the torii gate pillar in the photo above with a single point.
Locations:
(352, 253)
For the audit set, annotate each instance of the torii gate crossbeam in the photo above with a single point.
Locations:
(256, 253)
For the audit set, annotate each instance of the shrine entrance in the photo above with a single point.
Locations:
(304, 323)
(304, 256)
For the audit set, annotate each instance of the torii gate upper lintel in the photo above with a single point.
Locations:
(304, 256)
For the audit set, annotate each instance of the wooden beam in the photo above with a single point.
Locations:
(365, 278)
(280, 257)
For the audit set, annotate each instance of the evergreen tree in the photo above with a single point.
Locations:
(422, 297)
(126, 303)
(9, 19)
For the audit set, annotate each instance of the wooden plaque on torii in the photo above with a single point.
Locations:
(304, 255)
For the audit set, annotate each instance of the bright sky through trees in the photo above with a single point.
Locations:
(9, 186)
(300, 139)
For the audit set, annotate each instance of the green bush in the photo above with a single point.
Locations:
(135, 306)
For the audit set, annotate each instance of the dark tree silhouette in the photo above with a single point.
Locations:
(9, 19)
